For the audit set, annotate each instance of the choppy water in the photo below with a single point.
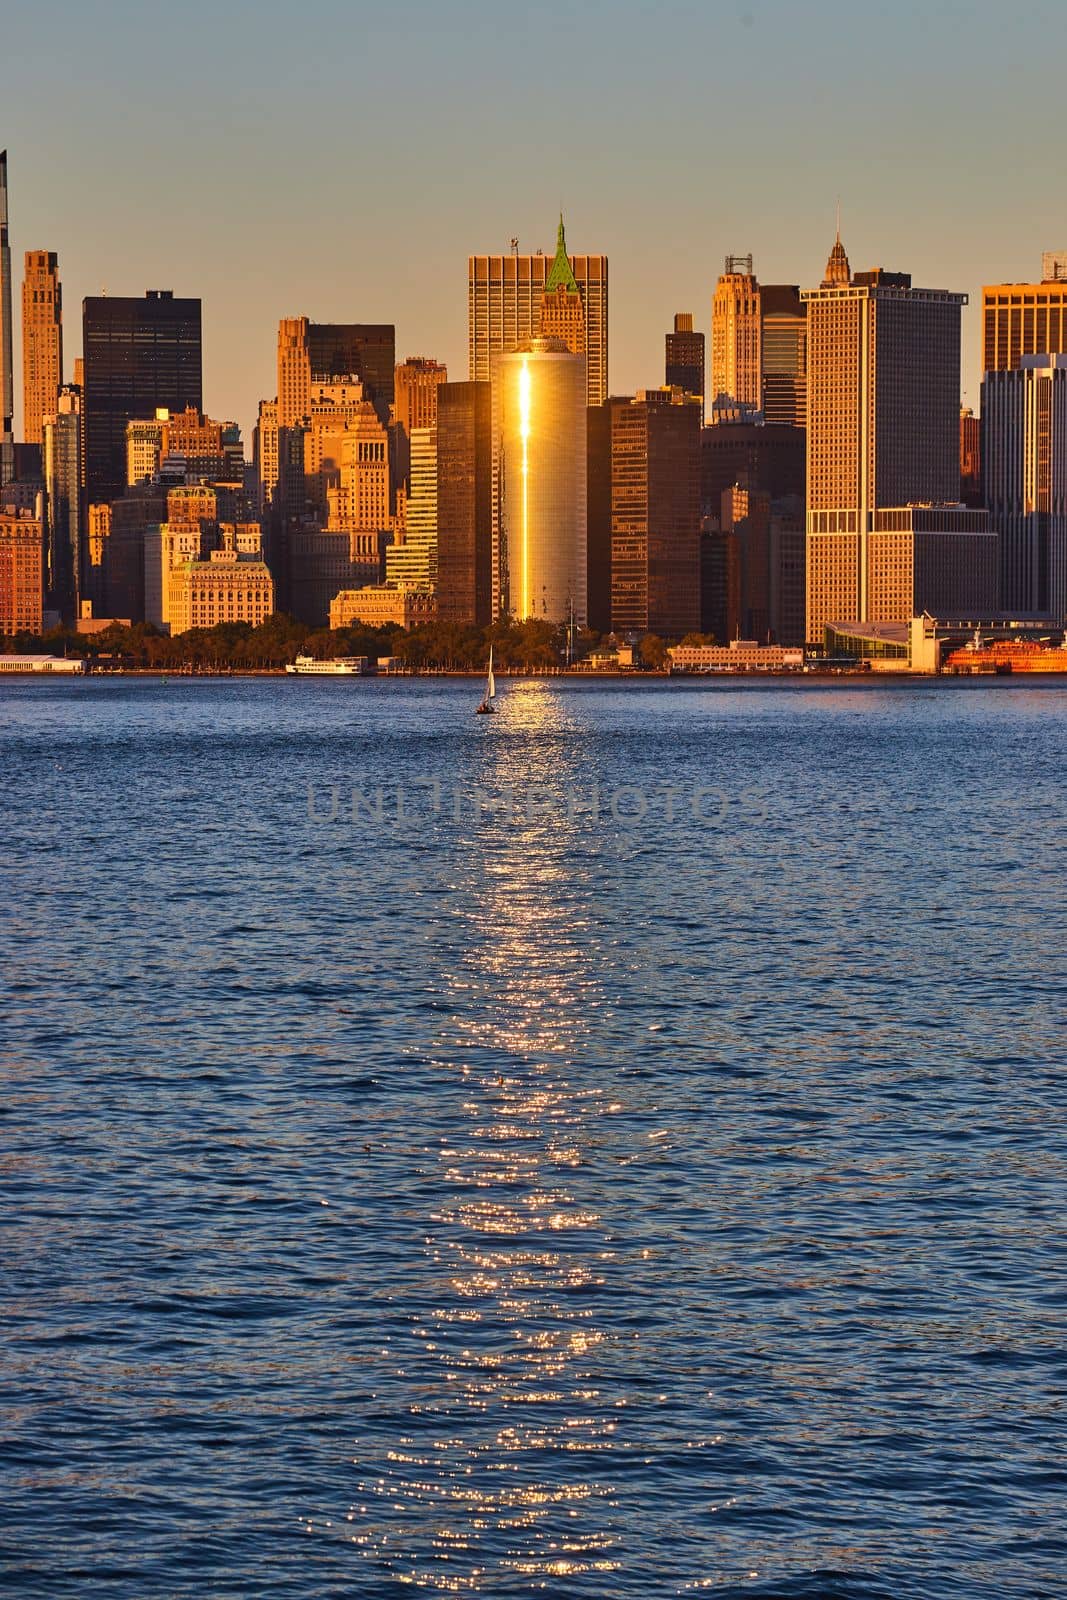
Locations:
(532, 1201)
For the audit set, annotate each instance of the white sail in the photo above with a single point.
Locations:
(491, 687)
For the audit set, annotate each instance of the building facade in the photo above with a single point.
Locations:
(64, 521)
(465, 504)
(416, 382)
(883, 423)
(1024, 319)
(413, 563)
(7, 341)
(228, 587)
(21, 571)
(324, 350)
(736, 332)
(683, 366)
(505, 296)
(784, 355)
(1024, 416)
(655, 514)
(140, 356)
(42, 342)
(539, 433)
(381, 605)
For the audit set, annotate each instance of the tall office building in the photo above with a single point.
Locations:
(64, 539)
(735, 335)
(769, 551)
(416, 382)
(505, 300)
(539, 423)
(324, 350)
(140, 356)
(655, 514)
(1025, 319)
(970, 457)
(42, 342)
(465, 504)
(683, 366)
(784, 355)
(1024, 417)
(883, 437)
(7, 357)
(412, 563)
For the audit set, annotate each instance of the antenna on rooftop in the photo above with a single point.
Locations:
(514, 245)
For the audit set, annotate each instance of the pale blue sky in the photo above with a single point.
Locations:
(342, 160)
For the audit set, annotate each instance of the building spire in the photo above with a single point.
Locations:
(559, 273)
(838, 271)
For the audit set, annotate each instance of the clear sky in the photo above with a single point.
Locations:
(341, 160)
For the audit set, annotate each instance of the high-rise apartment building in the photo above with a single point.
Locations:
(735, 335)
(506, 308)
(140, 356)
(539, 432)
(64, 536)
(1024, 416)
(655, 514)
(21, 570)
(7, 344)
(328, 350)
(1025, 319)
(683, 366)
(42, 342)
(465, 504)
(784, 355)
(883, 436)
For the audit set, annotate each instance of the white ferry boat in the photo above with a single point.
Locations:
(335, 667)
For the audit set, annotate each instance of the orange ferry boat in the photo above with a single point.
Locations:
(1008, 655)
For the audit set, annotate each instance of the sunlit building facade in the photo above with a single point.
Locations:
(1024, 415)
(736, 332)
(21, 571)
(683, 366)
(7, 343)
(1024, 319)
(784, 355)
(412, 564)
(539, 429)
(42, 342)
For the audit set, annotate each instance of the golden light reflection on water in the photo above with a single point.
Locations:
(512, 1349)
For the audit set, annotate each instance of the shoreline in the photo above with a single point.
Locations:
(638, 680)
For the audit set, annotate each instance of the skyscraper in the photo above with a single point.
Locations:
(324, 350)
(539, 423)
(1024, 319)
(140, 355)
(505, 296)
(1024, 418)
(7, 360)
(735, 335)
(21, 571)
(464, 504)
(784, 354)
(655, 514)
(62, 451)
(883, 438)
(416, 383)
(683, 366)
(412, 564)
(42, 342)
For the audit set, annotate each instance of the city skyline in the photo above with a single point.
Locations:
(655, 191)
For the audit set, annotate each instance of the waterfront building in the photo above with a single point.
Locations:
(324, 350)
(539, 434)
(655, 514)
(505, 296)
(882, 437)
(382, 605)
(464, 504)
(1024, 415)
(228, 587)
(42, 342)
(735, 335)
(7, 343)
(738, 655)
(412, 563)
(683, 366)
(140, 356)
(1024, 319)
(783, 355)
(21, 570)
(63, 468)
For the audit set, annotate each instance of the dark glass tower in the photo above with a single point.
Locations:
(139, 355)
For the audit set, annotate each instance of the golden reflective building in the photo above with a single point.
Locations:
(539, 432)
(42, 342)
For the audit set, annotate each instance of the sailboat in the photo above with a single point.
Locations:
(487, 705)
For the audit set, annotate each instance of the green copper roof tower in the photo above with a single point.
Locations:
(559, 273)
